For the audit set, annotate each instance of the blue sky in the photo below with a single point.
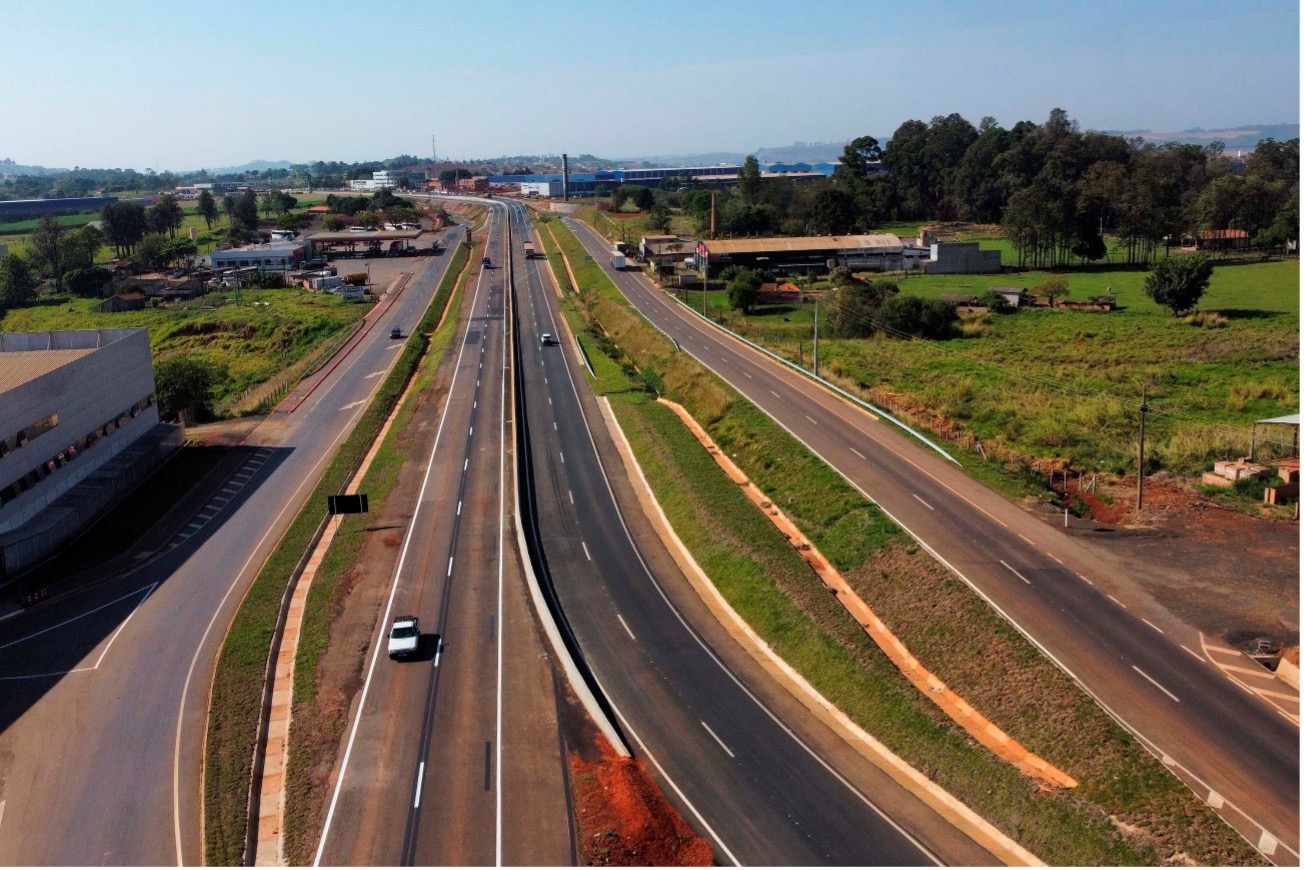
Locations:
(181, 85)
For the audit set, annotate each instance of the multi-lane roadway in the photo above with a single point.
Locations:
(104, 694)
(1237, 752)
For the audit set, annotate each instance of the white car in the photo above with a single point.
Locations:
(546, 339)
(404, 637)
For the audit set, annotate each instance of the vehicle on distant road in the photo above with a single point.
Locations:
(529, 250)
(396, 332)
(487, 263)
(404, 637)
(547, 339)
(617, 260)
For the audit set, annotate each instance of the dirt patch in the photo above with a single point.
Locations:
(625, 821)
(1233, 576)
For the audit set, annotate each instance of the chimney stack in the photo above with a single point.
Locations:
(565, 178)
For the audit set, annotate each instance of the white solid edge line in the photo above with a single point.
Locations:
(389, 605)
(719, 663)
(502, 525)
(1149, 744)
(421, 776)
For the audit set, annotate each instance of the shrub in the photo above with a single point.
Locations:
(185, 385)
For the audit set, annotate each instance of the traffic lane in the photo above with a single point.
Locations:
(457, 820)
(373, 805)
(771, 802)
(1186, 746)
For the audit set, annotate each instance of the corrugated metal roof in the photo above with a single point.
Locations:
(879, 241)
(1289, 420)
(20, 366)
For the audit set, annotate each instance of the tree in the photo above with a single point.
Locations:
(207, 207)
(1056, 287)
(642, 197)
(17, 283)
(1177, 283)
(89, 282)
(368, 219)
(45, 248)
(184, 385)
(832, 213)
(124, 226)
(744, 289)
(151, 252)
(858, 159)
(229, 206)
(659, 220)
(167, 215)
(335, 222)
(246, 208)
(293, 221)
(749, 179)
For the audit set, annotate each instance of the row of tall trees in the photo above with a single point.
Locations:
(1055, 190)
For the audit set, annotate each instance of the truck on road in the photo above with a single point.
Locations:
(617, 260)
(529, 250)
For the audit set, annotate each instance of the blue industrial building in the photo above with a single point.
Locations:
(586, 182)
(24, 209)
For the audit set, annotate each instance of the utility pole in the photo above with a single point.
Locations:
(1141, 450)
(815, 355)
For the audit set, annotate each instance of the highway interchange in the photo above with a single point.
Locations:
(458, 758)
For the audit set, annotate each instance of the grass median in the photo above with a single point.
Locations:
(1127, 809)
(236, 701)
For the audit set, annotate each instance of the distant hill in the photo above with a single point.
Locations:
(9, 167)
(251, 166)
(805, 152)
(1233, 138)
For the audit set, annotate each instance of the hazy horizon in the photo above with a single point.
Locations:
(160, 86)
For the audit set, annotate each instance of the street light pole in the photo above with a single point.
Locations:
(1141, 451)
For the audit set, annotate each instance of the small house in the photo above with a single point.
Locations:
(1222, 240)
(1014, 296)
(132, 300)
(773, 293)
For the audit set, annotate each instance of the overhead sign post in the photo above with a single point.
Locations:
(347, 504)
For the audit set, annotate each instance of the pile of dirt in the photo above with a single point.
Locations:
(625, 821)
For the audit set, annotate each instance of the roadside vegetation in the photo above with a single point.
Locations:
(1127, 809)
(236, 701)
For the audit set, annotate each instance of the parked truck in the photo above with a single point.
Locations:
(617, 260)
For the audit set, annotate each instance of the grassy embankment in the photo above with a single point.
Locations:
(1064, 385)
(237, 691)
(246, 343)
(1127, 809)
(316, 727)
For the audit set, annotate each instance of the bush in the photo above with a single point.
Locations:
(911, 316)
(88, 283)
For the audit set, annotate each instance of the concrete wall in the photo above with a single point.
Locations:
(86, 393)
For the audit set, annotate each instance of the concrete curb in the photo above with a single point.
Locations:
(941, 801)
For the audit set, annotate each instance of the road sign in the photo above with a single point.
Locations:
(347, 504)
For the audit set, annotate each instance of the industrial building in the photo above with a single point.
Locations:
(585, 183)
(390, 178)
(878, 252)
(277, 256)
(79, 428)
(25, 209)
(960, 258)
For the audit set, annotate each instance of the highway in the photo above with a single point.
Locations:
(747, 779)
(1235, 751)
(103, 695)
(454, 759)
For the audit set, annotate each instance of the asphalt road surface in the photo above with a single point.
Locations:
(1235, 751)
(739, 773)
(103, 695)
(454, 759)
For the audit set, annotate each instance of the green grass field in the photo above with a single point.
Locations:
(248, 342)
(1066, 384)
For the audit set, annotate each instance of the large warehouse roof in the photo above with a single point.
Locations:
(721, 247)
(377, 236)
(19, 367)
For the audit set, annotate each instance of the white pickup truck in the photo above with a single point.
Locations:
(404, 637)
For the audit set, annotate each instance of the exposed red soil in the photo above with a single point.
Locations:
(625, 821)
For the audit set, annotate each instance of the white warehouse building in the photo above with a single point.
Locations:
(79, 427)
